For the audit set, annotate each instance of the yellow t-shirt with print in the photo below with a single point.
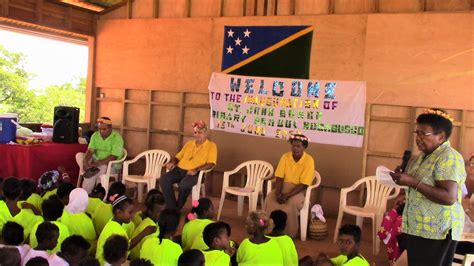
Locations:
(191, 237)
(288, 249)
(111, 228)
(135, 253)
(63, 234)
(192, 156)
(216, 258)
(165, 253)
(268, 253)
(300, 172)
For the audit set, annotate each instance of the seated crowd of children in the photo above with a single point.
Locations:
(63, 225)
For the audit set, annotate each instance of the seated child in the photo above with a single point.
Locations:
(154, 203)
(48, 183)
(75, 218)
(199, 217)
(52, 211)
(47, 235)
(259, 249)
(12, 234)
(9, 256)
(288, 249)
(73, 250)
(139, 216)
(103, 212)
(191, 257)
(123, 210)
(37, 261)
(9, 210)
(28, 189)
(162, 250)
(349, 245)
(216, 236)
(140, 262)
(95, 198)
(64, 189)
(115, 250)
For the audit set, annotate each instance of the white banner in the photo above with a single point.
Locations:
(329, 112)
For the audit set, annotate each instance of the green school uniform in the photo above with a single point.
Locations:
(49, 194)
(92, 205)
(216, 258)
(102, 215)
(356, 261)
(137, 219)
(35, 200)
(79, 224)
(63, 234)
(25, 218)
(111, 228)
(191, 236)
(165, 253)
(135, 253)
(268, 253)
(288, 249)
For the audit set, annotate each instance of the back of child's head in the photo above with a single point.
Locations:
(10, 256)
(214, 230)
(52, 209)
(12, 234)
(141, 262)
(89, 261)
(48, 180)
(258, 222)
(154, 197)
(74, 245)
(12, 188)
(116, 189)
(115, 249)
(191, 257)
(202, 209)
(168, 222)
(37, 261)
(28, 187)
(352, 230)
(98, 191)
(64, 189)
(279, 218)
(47, 232)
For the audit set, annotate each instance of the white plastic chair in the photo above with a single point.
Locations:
(375, 206)
(257, 172)
(104, 178)
(200, 188)
(305, 209)
(154, 162)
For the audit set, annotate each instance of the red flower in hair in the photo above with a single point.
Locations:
(199, 125)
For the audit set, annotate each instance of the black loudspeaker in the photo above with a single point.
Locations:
(66, 123)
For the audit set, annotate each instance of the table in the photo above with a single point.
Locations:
(32, 161)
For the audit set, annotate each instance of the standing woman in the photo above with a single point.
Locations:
(294, 173)
(196, 155)
(433, 217)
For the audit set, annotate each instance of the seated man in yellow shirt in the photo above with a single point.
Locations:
(196, 155)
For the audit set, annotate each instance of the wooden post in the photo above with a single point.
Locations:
(149, 120)
(5, 7)
(244, 8)
(181, 119)
(156, 8)
(39, 11)
(365, 146)
(187, 8)
(221, 9)
(68, 18)
(129, 9)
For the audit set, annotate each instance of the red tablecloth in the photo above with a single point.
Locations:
(31, 161)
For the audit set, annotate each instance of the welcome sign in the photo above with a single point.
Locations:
(328, 112)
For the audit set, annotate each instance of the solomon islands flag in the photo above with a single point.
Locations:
(267, 51)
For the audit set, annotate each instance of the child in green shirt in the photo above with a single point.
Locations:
(95, 198)
(103, 212)
(192, 257)
(200, 216)
(28, 189)
(115, 250)
(74, 249)
(48, 183)
(349, 244)
(216, 236)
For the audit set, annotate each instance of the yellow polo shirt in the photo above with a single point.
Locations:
(301, 172)
(192, 156)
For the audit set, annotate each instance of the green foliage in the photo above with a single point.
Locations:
(34, 106)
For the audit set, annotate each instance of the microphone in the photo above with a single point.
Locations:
(406, 158)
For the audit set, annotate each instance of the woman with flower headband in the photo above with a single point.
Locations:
(106, 145)
(294, 173)
(433, 216)
(196, 155)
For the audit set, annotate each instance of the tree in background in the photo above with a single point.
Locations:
(34, 106)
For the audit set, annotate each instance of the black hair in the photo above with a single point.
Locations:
(13, 233)
(11, 188)
(302, 139)
(153, 197)
(64, 189)
(116, 188)
(141, 262)
(122, 205)
(46, 231)
(73, 243)
(168, 222)
(52, 209)
(28, 187)
(10, 256)
(214, 230)
(98, 190)
(279, 218)
(89, 261)
(191, 257)
(352, 230)
(37, 261)
(203, 206)
(115, 248)
(437, 122)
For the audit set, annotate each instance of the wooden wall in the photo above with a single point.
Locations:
(420, 59)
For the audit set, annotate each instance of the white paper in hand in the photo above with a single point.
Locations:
(383, 176)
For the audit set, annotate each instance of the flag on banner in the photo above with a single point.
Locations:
(267, 51)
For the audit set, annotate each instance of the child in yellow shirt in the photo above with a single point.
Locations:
(192, 257)
(48, 183)
(349, 244)
(115, 250)
(216, 236)
(28, 189)
(103, 212)
(200, 216)
(95, 198)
